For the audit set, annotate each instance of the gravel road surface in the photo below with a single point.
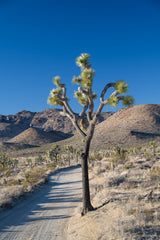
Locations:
(43, 216)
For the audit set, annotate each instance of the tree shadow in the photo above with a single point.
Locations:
(55, 202)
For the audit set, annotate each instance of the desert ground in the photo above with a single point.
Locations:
(124, 171)
(44, 214)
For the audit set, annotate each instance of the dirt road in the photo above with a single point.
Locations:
(43, 216)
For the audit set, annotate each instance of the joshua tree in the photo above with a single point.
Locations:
(53, 153)
(78, 152)
(4, 160)
(70, 150)
(86, 120)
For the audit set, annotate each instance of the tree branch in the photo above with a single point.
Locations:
(91, 106)
(103, 103)
(83, 111)
(74, 122)
(115, 93)
(66, 103)
(109, 85)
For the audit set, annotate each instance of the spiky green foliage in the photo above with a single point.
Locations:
(77, 80)
(82, 98)
(87, 78)
(113, 101)
(77, 94)
(57, 80)
(87, 83)
(153, 144)
(87, 74)
(85, 93)
(128, 101)
(121, 86)
(83, 60)
(56, 91)
(54, 101)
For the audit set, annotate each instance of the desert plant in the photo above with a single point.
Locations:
(39, 159)
(33, 176)
(86, 120)
(120, 156)
(53, 153)
(6, 162)
(78, 152)
(3, 160)
(70, 150)
(29, 161)
(153, 147)
(154, 173)
(95, 156)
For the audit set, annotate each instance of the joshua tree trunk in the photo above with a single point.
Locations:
(87, 206)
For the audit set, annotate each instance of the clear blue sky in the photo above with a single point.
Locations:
(42, 38)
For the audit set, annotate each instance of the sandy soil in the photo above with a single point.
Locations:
(126, 201)
(44, 215)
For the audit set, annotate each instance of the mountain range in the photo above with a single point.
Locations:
(27, 128)
(130, 126)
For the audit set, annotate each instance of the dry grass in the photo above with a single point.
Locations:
(127, 201)
(28, 174)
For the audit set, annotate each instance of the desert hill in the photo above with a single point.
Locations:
(53, 119)
(34, 136)
(36, 128)
(130, 126)
(135, 125)
(12, 125)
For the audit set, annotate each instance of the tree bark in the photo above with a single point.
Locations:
(87, 206)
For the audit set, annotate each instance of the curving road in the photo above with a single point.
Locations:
(44, 215)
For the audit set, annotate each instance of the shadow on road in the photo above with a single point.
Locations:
(55, 202)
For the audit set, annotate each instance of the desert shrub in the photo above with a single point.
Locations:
(29, 161)
(33, 176)
(91, 157)
(135, 150)
(115, 180)
(145, 214)
(128, 166)
(154, 173)
(7, 173)
(99, 171)
(39, 159)
(129, 184)
(51, 166)
(139, 148)
(120, 155)
(95, 156)
(13, 182)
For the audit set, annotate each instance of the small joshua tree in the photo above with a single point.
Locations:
(53, 153)
(70, 150)
(86, 120)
